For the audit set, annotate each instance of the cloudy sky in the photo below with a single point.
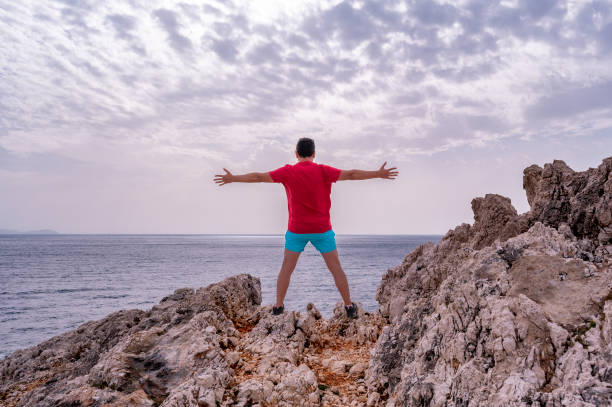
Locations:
(115, 115)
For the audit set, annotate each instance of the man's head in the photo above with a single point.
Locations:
(305, 148)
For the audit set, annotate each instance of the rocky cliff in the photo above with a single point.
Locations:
(514, 310)
(214, 346)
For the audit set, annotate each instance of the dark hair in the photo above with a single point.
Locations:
(305, 147)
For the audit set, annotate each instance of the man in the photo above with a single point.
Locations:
(308, 188)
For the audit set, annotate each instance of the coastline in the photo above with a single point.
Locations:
(480, 317)
(54, 284)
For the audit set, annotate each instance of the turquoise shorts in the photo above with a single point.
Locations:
(323, 242)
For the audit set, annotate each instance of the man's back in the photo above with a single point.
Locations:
(308, 187)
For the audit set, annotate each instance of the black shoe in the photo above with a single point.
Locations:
(351, 310)
(279, 310)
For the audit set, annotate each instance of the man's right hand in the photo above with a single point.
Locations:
(222, 179)
(228, 177)
(388, 173)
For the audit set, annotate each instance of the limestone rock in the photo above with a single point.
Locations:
(171, 352)
(510, 311)
(493, 215)
(283, 350)
(583, 200)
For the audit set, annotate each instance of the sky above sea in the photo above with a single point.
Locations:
(115, 115)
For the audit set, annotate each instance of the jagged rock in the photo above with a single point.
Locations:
(358, 369)
(495, 218)
(281, 346)
(278, 342)
(583, 200)
(373, 399)
(313, 311)
(510, 311)
(254, 391)
(363, 329)
(494, 331)
(183, 352)
(159, 362)
(298, 387)
(151, 357)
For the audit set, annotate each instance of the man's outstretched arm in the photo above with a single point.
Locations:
(228, 177)
(382, 172)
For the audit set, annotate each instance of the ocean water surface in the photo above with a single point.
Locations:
(53, 283)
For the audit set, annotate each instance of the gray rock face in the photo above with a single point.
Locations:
(300, 359)
(514, 310)
(511, 311)
(213, 347)
(494, 218)
(167, 356)
(583, 200)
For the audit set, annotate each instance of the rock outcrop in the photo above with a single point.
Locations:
(514, 310)
(582, 200)
(175, 351)
(213, 347)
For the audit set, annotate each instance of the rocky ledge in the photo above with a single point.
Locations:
(214, 346)
(514, 310)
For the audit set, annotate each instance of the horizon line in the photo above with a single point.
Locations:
(211, 234)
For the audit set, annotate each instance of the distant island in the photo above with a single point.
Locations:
(28, 232)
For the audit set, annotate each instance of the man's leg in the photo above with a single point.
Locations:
(282, 282)
(333, 264)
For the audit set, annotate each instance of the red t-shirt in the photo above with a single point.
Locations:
(308, 187)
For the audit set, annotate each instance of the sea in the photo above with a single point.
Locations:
(50, 284)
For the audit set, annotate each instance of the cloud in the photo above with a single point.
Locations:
(296, 40)
(225, 49)
(382, 13)
(433, 13)
(265, 53)
(353, 26)
(538, 9)
(406, 66)
(409, 98)
(467, 73)
(572, 102)
(91, 90)
(169, 21)
(123, 25)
